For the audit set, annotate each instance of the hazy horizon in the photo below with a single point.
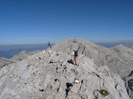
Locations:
(8, 51)
(29, 46)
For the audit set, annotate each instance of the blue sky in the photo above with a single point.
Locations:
(40, 21)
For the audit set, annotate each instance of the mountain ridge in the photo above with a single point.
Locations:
(50, 75)
(101, 55)
(119, 58)
(107, 57)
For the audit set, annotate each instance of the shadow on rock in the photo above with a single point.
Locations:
(69, 85)
(70, 61)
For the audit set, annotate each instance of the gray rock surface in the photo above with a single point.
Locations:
(4, 61)
(119, 58)
(131, 47)
(129, 84)
(51, 75)
(22, 55)
(16, 58)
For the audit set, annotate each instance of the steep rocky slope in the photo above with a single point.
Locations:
(51, 75)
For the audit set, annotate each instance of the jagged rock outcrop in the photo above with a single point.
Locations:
(129, 84)
(51, 75)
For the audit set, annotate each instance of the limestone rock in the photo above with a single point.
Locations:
(53, 77)
(4, 61)
(129, 84)
(119, 58)
(16, 58)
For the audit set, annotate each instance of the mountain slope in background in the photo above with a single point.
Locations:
(18, 54)
(16, 58)
(119, 58)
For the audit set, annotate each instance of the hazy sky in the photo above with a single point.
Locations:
(40, 21)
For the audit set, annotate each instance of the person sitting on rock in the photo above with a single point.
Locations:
(75, 53)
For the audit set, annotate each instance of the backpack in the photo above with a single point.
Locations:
(76, 53)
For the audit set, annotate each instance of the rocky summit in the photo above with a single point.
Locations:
(52, 75)
(119, 59)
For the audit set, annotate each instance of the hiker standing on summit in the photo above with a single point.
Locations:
(75, 53)
(49, 45)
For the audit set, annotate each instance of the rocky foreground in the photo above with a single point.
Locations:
(51, 75)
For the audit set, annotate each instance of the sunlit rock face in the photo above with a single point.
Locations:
(51, 75)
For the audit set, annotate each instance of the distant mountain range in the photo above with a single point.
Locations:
(112, 44)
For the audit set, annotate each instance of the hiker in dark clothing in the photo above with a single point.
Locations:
(49, 44)
(75, 53)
